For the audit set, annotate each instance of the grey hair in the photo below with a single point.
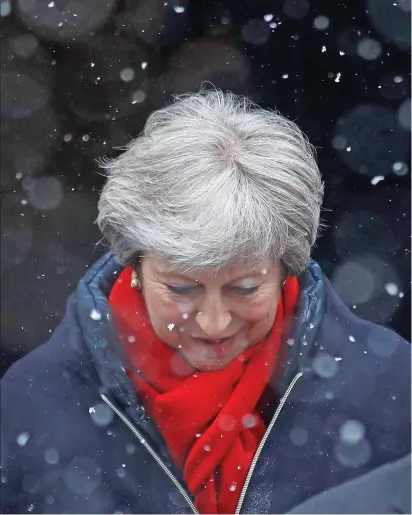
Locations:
(214, 180)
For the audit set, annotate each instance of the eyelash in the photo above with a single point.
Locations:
(245, 291)
(180, 290)
(186, 290)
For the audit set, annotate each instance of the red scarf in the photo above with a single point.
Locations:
(209, 420)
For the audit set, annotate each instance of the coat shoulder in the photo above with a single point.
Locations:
(386, 489)
(47, 406)
(344, 333)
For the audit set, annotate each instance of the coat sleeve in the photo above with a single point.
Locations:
(13, 440)
(386, 489)
(35, 427)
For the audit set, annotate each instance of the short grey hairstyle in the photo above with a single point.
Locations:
(213, 180)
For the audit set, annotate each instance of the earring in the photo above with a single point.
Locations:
(135, 283)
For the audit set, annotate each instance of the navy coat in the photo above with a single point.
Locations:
(76, 439)
(386, 489)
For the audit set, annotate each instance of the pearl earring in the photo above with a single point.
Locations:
(135, 283)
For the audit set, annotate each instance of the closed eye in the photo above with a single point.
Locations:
(186, 290)
(180, 290)
(242, 290)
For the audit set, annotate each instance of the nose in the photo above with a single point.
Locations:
(213, 316)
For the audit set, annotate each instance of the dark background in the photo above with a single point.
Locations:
(79, 79)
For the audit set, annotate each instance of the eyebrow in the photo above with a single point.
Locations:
(171, 273)
(245, 276)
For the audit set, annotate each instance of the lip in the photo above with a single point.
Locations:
(214, 340)
(214, 349)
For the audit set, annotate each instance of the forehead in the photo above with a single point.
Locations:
(262, 267)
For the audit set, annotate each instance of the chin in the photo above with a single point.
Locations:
(209, 366)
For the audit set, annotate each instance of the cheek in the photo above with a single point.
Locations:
(259, 311)
(165, 316)
(260, 317)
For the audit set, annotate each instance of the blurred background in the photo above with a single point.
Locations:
(79, 78)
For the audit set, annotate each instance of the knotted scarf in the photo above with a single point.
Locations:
(209, 420)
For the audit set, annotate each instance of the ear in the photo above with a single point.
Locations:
(135, 282)
(283, 272)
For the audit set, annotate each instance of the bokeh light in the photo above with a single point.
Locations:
(393, 86)
(369, 49)
(404, 114)
(361, 283)
(256, 32)
(101, 78)
(392, 19)
(349, 39)
(368, 137)
(23, 94)
(45, 193)
(16, 238)
(82, 475)
(296, 9)
(321, 22)
(188, 67)
(64, 20)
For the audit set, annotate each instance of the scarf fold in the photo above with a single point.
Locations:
(209, 420)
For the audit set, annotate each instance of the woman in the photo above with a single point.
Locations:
(205, 364)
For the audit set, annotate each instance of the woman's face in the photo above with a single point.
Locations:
(211, 316)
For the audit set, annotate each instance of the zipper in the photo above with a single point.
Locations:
(263, 441)
(172, 477)
(151, 451)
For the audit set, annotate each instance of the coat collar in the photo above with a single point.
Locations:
(99, 334)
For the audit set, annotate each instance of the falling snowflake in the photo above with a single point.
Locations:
(23, 438)
(338, 76)
(249, 420)
(170, 327)
(376, 179)
(95, 315)
(391, 289)
(127, 74)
